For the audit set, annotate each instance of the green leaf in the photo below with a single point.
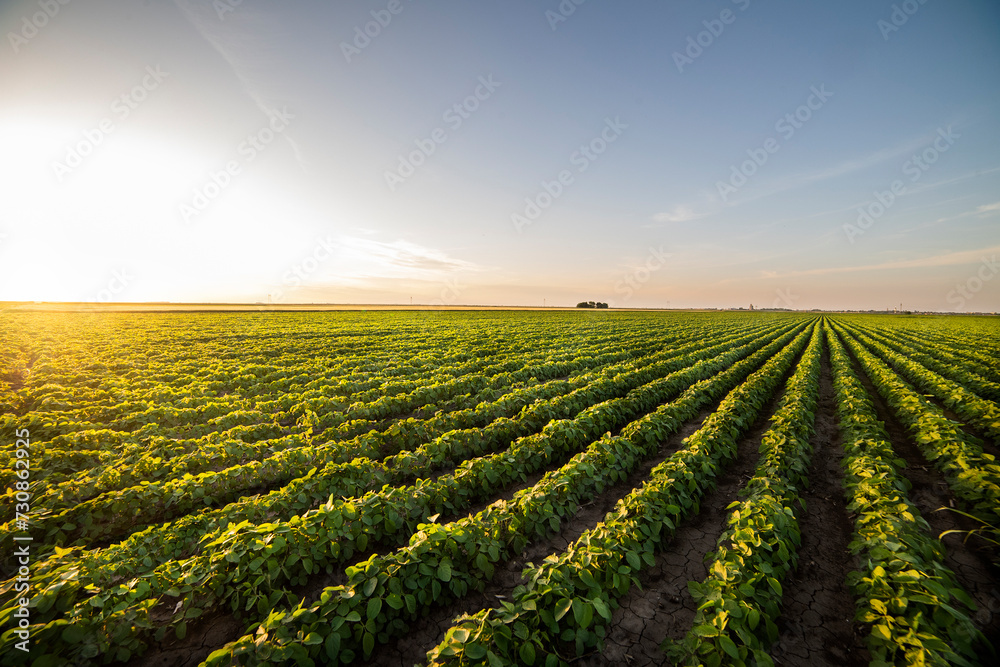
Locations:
(444, 571)
(729, 646)
(583, 612)
(602, 608)
(527, 653)
(775, 586)
(73, 634)
(332, 646)
(562, 607)
(706, 631)
(374, 607)
(475, 651)
(312, 639)
(483, 563)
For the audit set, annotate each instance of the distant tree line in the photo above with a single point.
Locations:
(591, 304)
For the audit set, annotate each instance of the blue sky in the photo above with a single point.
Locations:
(683, 154)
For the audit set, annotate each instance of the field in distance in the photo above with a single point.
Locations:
(532, 487)
(168, 307)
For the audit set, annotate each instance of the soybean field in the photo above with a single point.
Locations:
(499, 488)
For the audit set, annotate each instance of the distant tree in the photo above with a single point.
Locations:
(601, 304)
(585, 304)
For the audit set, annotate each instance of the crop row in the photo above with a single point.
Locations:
(151, 463)
(740, 601)
(568, 599)
(231, 570)
(68, 570)
(980, 413)
(942, 363)
(115, 511)
(54, 405)
(138, 461)
(445, 562)
(972, 474)
(286, 392)
(969, 351)
(915, 608)
(326, 536)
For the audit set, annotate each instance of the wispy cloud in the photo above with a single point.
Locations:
(364, 262)
(979, 173)
(224, 38)
(679, 214)
(836, 171)
(406, 256)
(946, 259)
(981, 212)
(763, 229)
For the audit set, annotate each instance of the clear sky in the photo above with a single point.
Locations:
(659, 154)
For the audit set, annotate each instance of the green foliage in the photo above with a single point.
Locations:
(225, 474)
(916, 611)
(739, 603)
(603, 563)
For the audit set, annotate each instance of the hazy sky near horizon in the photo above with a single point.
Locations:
(793, 154)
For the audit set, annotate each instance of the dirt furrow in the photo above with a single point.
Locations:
(817, 625)
(429, 631)
(208, 634)
(663, 607)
